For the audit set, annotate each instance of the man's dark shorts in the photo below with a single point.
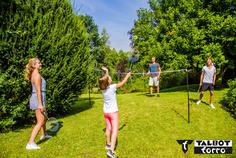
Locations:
(206, 86)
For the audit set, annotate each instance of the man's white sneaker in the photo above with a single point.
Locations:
(46, 136)
(212, 106)
(198, 102)
(32, 146)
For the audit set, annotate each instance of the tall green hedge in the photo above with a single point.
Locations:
(51, 31)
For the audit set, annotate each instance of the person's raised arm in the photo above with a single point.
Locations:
(120, 84)
(104, 71)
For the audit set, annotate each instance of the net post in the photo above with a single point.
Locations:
(188, 95)
(144, 84)
(89, 95)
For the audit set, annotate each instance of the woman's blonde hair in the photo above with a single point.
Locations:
(29, 68)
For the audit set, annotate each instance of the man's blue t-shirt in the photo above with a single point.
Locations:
(153, 68)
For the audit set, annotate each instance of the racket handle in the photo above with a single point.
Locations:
(45, 115)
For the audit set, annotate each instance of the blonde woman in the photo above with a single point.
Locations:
(37, 100)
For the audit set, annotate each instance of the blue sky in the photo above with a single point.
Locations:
(116, 16)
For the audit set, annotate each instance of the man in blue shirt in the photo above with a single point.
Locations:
(154, 72)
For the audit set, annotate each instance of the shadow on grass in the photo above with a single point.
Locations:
(149, 95)
(52, 132)
(104, 130)
(122, 126)
(183, 88)
(91, 98)
(180, 115)
(192, 89)
(81, 105)
(195, 100)
(230, 111)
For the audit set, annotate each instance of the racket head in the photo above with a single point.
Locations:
(133, 59)
(52, 124)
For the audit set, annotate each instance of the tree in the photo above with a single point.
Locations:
(97, 42)
(182, 34)
(51, 31)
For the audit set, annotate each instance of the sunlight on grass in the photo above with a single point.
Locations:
(149, 127)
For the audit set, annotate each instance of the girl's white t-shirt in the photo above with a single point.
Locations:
(110, 103)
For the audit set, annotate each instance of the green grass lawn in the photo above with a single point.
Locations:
(149, 128)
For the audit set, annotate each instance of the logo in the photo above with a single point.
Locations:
(185, 144)
(213, 146)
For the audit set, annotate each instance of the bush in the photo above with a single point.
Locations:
(51, 31)
(229, 100)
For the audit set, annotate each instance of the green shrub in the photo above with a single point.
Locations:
(51, 31)
(229, 100)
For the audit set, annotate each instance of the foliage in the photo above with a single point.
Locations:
(230, 97)
(51, 31)
(101, 52)
(182, 34)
